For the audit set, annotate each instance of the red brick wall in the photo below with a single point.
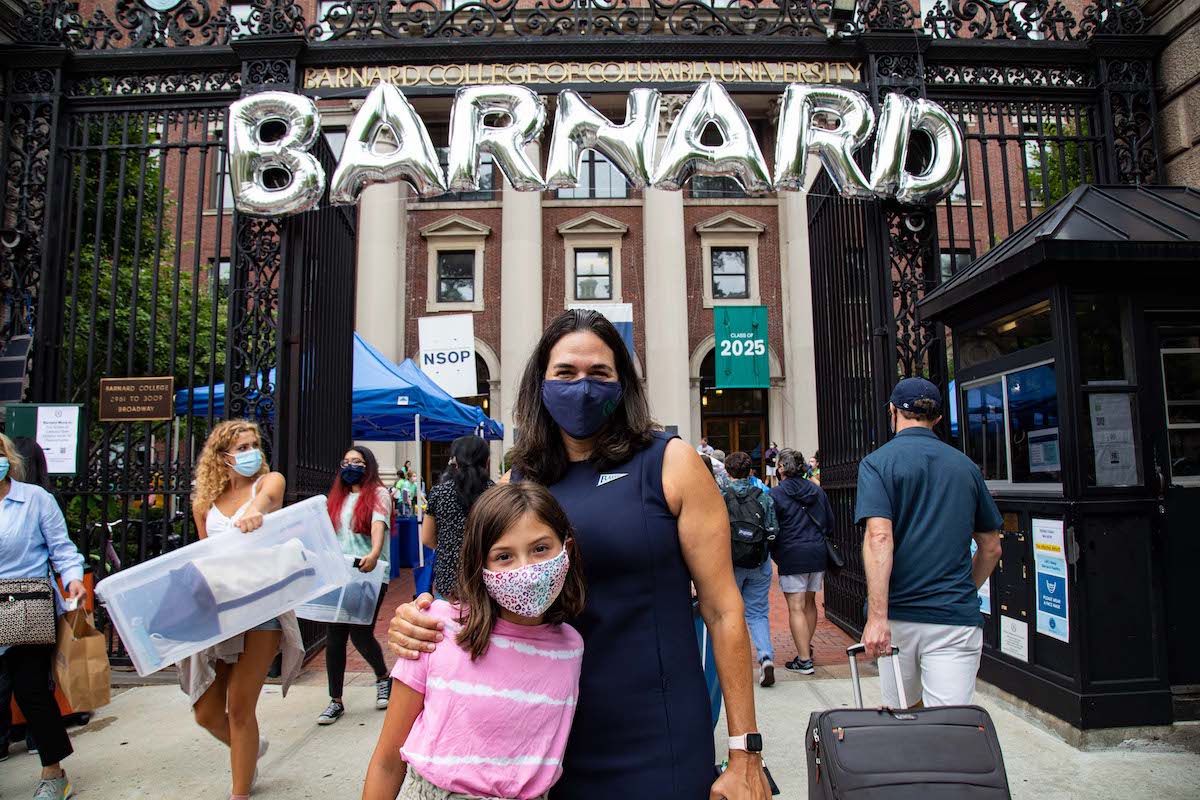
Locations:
(487, 322)
(700, 323)
(632, 256)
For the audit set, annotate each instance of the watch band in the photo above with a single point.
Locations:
(750, 742)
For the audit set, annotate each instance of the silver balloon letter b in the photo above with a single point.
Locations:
(413, 158)
(251, 158)
(578, 127)
(737, 157)
(798, 136)
(470, 135)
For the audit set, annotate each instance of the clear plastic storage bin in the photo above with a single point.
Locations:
(192, 598)
(354, 603)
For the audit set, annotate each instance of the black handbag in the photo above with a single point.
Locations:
(834, 560)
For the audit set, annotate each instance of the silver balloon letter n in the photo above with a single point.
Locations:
(299, 175)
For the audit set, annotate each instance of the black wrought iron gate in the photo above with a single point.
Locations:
(118, 251)
(1050, 101)
(122, 255)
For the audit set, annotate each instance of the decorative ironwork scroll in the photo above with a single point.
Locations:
(1130, 111)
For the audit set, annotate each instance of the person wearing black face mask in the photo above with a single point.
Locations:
(649, 522)
(360, 508)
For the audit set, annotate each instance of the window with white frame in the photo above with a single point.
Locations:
(729, 252)
(730, 273)
(1012, 427)
(456, 264)
(456, 276)
(592, 257)
(593, 274)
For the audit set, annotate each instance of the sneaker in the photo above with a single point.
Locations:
(383, 692)
(4, 750)
(53, 788)
(766, 672)
(330, 715)
(802, 665)
(264, 744)
(30, 744)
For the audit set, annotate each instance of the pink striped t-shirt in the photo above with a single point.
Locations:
(498, 726)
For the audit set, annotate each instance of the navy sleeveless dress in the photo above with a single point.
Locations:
(643, 726)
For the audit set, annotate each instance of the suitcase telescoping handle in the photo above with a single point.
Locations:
(854, 651)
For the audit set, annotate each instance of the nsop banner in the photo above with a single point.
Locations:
(619, 314)
(741, 338)
(447, 343)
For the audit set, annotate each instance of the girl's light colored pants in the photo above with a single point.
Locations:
(417, 788)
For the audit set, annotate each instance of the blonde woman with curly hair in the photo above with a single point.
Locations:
(234, 489)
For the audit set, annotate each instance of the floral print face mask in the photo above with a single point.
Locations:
(529, 590)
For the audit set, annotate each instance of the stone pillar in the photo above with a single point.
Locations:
(666, 306)
(381, 306)
(520, 292)
(799, 394)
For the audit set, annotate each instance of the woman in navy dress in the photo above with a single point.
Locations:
(649, 523)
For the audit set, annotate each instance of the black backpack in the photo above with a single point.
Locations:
(750, 539)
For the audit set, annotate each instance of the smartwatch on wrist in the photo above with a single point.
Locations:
(750, 742)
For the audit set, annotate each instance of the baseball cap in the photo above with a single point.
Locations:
(910, 390)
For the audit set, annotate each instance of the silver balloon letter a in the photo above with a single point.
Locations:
(579, 127)
(470, 135)
(412, 157)
(251, 158)
(737, 157)
(798, 136)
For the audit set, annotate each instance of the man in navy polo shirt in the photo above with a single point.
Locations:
(923, 502)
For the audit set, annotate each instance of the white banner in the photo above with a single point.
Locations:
(447, 343)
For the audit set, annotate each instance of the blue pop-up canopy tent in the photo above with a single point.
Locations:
(390, 403)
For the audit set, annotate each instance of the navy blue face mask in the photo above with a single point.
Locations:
(353, 473)
(581, 407)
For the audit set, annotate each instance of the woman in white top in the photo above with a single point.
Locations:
(361, 511)
(234, 489)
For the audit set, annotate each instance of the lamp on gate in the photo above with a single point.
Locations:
(842, 11)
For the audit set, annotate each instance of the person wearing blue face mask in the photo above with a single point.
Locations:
(361, 511)
(649, 523)
(33, 539)
(234, 489)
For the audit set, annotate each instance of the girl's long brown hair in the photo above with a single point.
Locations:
(497, 510)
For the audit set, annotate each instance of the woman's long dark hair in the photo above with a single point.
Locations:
(369, 498)
(498, 510)
(36, 471)
(539, 452)
(469, 474)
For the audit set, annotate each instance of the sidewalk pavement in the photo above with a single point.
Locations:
(144, 746)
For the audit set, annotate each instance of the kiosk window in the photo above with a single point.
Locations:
(1012, 427)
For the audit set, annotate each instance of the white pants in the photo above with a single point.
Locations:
(938, 663)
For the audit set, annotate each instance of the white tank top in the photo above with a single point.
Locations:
(217, 523)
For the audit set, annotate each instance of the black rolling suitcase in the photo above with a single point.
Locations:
(947, 753)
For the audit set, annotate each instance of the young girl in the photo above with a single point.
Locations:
(361, 510)
(488, 713)
(234, 489)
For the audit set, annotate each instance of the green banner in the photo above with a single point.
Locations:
(741, 357)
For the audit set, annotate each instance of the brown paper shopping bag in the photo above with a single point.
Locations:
(81, 662)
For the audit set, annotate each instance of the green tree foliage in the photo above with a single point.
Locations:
(132, 311)
(1063, 153)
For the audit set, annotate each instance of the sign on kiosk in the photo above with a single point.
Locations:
(1050, 566)
(447, 344)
